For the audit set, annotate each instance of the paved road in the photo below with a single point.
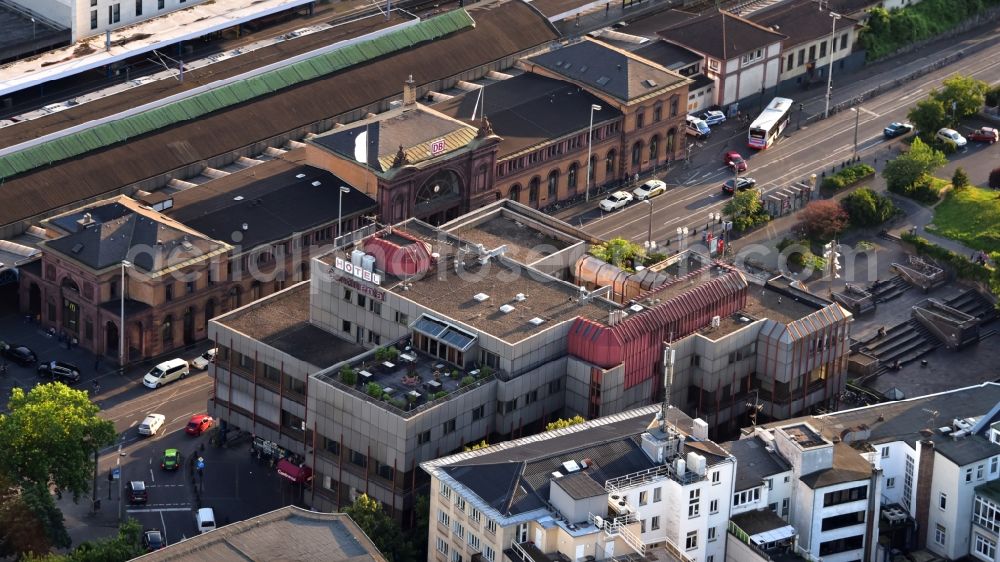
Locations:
(804, 151)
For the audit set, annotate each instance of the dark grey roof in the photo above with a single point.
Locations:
(530, 109)
(754, 462)
(799, 20)
(580, 486)
(758, 521)
(705, 33)
(150, 244)
(967, 450)
(601, 67)
(700, 81)
(273, 202)
(848, 466)
(668, 55)
(494, 483)
(990, 490)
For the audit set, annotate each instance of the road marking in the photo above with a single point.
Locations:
(164, 523)
(151, 477)
(158, 509)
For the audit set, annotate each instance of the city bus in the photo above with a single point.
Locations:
(766, 128)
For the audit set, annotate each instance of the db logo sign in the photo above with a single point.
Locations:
(437, 147)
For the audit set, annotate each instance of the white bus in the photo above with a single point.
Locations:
(766, 128)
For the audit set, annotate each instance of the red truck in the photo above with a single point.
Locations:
(984, 134)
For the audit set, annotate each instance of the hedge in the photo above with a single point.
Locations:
(848, 176)
(963, 266)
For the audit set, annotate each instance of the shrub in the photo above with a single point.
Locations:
(467, 380)
(959, 179)
(887, 31)
(398, 402)
(486, 371)
(848, 176)
(563, 423)
(440, 394)
(380, 354)
(392, 353)
(374, 390)
(821, 220)
(995, 178)
(348, 375)
(993, 96)
(866, 208)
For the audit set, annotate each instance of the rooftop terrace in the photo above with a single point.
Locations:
(804, 435)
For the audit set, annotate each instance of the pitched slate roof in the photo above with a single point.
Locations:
(494, 483)
(580, 486)
(800, 21)
(754, 462)
(616, 72)
(705, 34)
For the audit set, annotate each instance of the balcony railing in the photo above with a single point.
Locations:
(652, 474)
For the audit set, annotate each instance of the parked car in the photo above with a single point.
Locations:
(205, 519)
(171, 459)
(952, 137)
(205, 359)
(738, 184)
(985, 134)
(616, 200)
(166, 372)
(712, 117)
(58, 370)
(198, 424)
(734, 161)
(897, 130)
(697, 128)
(136, 492)
(151, 424)
(650, 189)
(20, 354)
(152, 539)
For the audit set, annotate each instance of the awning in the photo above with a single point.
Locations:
(294, 472)
(774, 535)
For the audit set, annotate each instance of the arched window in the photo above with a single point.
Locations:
(609, 164)
(533, 190)
(636, 154)
(593, 168)
(167, 331)
(571, 176)
(654, 148)
(670, 143)
(515, 192)
(553, 184)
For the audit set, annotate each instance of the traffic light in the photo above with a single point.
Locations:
(831, 252)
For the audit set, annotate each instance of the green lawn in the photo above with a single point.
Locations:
(971, 216)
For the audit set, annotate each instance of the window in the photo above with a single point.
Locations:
(473, 541)
(374, 338)
(479, 413)
(713, 65)
(445, 491)
(716, 477)
(553, 184)
(460, 503)
(637, 153)
(694, 503)
(331, 446)
(979, 471)
(114, 13)
(533, 190)
(475, 515)
(790, 63)
(985, 546)
(347, 294)
(458, 529)
(843, 496)
(375, 307)
(643, 498)
(784, 507)
(491, 526)
(159, 4)
(571, 176)
(843, 41)
(657, 113)
(802, 57)
(994, 464)
(362, 301)
(424, 437)
(442, 546)
(345, 325)
(402, 318)
(822, 49)
(696, 360)
(812, 53)
(691, 541)
(711, 534)
(640, 119)
(531, 397)
(93, 19)
(489, 553)
(885, 452)
(968, 474)
(940, 534)
(168, 292)
(890, 483)
(654, 523)
(138, 7)
(556, 385)
(674, 105)
(449, 426)
(359, 458)
(908, 482)
(657, 494)
(642, 526)
(713, 506)
(746, 496)
(444, 518)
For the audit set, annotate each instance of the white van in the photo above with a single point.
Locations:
(205, 519)
(697, 127)
(166, 372)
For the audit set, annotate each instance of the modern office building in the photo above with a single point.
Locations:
(625, 486)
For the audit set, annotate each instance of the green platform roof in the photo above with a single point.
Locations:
(120, 130)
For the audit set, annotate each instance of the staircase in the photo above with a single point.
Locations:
(973, 303)
(889, 289)
(903, 342)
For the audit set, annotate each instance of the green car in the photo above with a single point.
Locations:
(171, 460)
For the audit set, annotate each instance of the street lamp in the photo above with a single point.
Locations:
(590, 138)
(121, 331)
(829, 72)
(649, 231)
(340, 207)
(857, 121)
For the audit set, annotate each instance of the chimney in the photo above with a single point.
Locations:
(409, 91)
(925, 476)
(85, 221)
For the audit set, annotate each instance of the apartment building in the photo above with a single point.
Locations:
(627, 486)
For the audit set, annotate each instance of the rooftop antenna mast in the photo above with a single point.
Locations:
(669, 356)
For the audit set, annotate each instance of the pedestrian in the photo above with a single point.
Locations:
(97, 387)
(607, 7)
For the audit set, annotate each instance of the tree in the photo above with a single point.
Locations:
(564, 423)
(864, 207)
(902, 172)
(381, 529)
(745, 209)
(821, 220)
(995, 178)
(124, 546)
(22, 530)
(50, 436)
(619, 252)
(418, 535)
(928, 115)
(959, 179)
(966, 93)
